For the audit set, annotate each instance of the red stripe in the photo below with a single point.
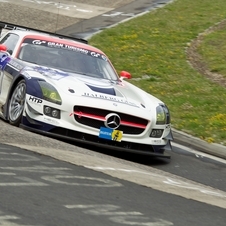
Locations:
(101, 118)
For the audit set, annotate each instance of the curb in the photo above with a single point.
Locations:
(198, 144)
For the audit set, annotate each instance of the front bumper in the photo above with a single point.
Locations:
(125, 146)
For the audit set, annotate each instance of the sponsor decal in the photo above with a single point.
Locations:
(65, 46)
(98, 55)
(110, 98)
(110, 134)
(59, 45)
(38, 42)
(35, 100)
(94, 54)
(15, 65)
(104, 58)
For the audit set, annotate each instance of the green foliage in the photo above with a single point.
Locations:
(213, 51)
(155, 45)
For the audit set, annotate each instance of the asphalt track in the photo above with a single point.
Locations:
(74, 17)
(40, 190)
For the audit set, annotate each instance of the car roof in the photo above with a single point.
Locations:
(55, 38)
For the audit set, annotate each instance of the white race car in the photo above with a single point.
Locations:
(63, 87)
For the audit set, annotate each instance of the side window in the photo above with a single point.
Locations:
(10, 41)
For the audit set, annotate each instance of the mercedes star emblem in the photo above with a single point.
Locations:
(112, 121)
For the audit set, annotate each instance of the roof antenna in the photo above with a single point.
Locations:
(58, 14)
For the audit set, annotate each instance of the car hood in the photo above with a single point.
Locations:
(86, 86)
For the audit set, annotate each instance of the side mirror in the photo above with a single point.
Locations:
(125, 74)
(3, 48)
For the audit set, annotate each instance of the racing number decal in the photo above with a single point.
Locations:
(116, 135)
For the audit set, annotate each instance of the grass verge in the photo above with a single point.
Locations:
(155, 45)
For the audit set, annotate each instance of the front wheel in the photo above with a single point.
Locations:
(16, 103)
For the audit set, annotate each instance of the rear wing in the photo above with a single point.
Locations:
(4, 27)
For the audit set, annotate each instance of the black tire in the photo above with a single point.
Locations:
(16, 103)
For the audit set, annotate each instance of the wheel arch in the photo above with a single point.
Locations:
(32, 88)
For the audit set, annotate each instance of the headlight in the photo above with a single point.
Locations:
(162, 115)
(50, 93)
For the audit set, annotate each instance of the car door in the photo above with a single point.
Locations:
(10, 40)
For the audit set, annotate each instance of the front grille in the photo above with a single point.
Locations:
(95, 118)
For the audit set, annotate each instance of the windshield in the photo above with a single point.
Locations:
(67, 58)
